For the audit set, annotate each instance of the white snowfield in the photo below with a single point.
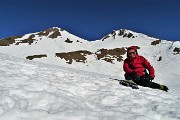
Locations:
(36, 91)
(50, 89)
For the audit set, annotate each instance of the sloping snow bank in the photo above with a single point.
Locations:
(36, 91)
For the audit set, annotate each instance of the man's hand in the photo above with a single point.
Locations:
(147, 78)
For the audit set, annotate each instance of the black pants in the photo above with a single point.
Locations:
(144, 83)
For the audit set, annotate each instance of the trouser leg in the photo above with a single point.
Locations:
(148, 84)
(134, 77)
(128, 77)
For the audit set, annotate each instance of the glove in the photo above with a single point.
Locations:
(149, 78)
(135, 76)
(143, 77)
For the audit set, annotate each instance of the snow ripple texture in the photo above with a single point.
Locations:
(36, 91)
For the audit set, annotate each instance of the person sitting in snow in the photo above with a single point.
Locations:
(136, 66)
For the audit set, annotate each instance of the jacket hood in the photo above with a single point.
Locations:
(132, 47)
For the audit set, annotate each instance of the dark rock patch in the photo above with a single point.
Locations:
(105, 37)
(176, 50)
(156, 42)
(35, 56)
(123, 33)
(160, 58)
(110, 54)
(68, 40)
(78, 56)
(8, 41)
(55, 33)
(29, 40)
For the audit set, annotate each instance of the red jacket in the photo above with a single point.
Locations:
(137, 64)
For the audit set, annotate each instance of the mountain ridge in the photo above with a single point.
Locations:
(56, 31)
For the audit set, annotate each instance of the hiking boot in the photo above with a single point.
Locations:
(164, 88)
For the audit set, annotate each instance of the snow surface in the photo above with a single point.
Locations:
(31, 90)
(54, 90)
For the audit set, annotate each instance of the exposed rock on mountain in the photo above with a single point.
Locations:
(176, 50)
(68, 40)
(78, 56)
(122, 32)
(51, 32)
(35, 56)
(29, 40)
(155, 42)
(110, 54)
(8, 41)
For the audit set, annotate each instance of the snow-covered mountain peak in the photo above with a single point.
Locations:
(51, 32)
(126, 34)
(120, 33)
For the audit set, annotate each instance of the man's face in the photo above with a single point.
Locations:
(132, 53)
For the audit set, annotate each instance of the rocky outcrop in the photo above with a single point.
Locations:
(68, 40)
(105, 37)
(156, 42)
(8, 41)
(176, 50)
(29, 40)
(51, 33)
(36, 56)
(124, 33)
(160, 58)
(78, 56)
(54, 33)
(110, 54)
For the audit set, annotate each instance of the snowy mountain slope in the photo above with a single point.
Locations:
(44, 42)
(34, 91)
(105, 56)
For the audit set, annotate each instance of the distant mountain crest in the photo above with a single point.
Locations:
(122, 32)
(51, 32)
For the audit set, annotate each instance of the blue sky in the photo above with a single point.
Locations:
(91, 19)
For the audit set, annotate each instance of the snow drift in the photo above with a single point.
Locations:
(32, 90)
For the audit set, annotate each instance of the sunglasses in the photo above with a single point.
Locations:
(131, 53)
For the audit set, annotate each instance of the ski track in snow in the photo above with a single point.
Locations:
(36, 91)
